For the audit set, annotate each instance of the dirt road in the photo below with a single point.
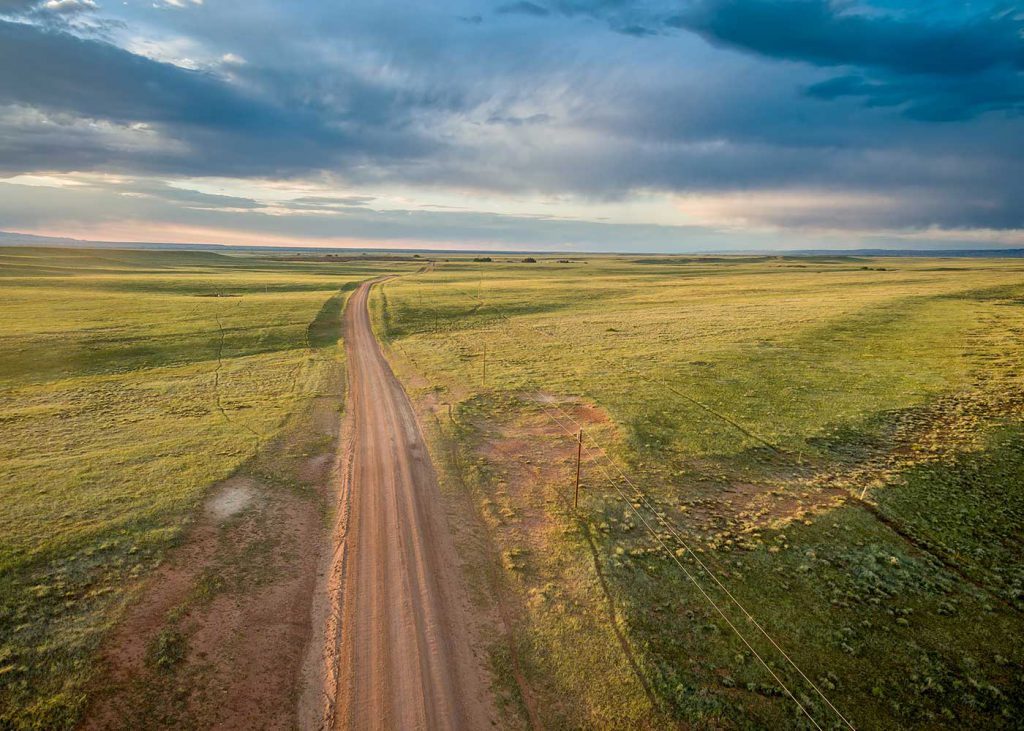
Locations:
(404, 657)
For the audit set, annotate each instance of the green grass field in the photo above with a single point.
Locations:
(832, 444)
(129, 383)
(839, 441)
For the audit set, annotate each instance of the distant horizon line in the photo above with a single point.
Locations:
(11, 239)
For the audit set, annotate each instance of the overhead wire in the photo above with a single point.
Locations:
(671, 528)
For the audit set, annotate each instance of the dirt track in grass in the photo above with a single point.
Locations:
(253, 623)
(398, 646)
(215, 638)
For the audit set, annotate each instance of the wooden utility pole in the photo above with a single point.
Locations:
(579, 454)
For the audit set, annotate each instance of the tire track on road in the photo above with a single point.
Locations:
(403, 650)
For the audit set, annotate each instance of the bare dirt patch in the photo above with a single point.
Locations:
(525, 456)
(533, 457)
(737, 511)
(936, 432)
(215, 637)
(231, 497)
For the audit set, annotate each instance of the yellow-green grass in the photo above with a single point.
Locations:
(799, 381)
(784, 351)
(126, 389)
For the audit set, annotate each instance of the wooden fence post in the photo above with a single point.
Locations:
(579, 455)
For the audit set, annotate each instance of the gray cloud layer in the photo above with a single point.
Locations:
(584, 97)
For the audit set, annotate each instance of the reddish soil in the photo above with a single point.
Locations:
(397, 650)
(215, 638)
(265, 618)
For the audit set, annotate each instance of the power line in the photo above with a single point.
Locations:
(671, 529)
(693, 580)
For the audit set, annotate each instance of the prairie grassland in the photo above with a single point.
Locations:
(131, 381)
(838, 441)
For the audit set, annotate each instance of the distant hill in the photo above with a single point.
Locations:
(8, 238)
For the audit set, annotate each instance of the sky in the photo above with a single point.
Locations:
(570, 125)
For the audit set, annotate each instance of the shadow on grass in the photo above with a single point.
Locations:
(325, 330)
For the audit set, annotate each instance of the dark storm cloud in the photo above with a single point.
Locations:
(935, 70)
(534, 98)
(220, 128)
(58, 14)
(59, 72)
(928, 98)
(828, 33)
(934, 65)
(935, 37)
